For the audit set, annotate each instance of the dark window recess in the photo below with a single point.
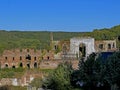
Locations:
(34, 58)
(20, 58)
(6, 58)
(56, 47)
(28, 65)
(109, 46)
(48, 57)
(21, 65)
(28, 57)
(35, 65)
(101, 46)
(13, 66)
(13, 58)
(6, 65)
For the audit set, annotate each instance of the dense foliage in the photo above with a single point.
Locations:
(59, 79)
(35, 40)
(93, 74)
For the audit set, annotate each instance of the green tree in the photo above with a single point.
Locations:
(59, 79)
(113, 71)
(90, 72)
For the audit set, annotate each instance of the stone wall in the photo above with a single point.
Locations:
(76, 42)
(51, 64)
(24, 58)
(105, 45)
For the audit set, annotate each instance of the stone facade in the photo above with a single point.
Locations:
(69, 50)
(82, 45)
(105, 46)
(29, 58)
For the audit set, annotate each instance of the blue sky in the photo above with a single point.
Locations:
(59, 15)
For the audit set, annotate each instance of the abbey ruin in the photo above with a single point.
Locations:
(70, 50)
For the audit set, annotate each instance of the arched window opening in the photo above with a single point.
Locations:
(35, 58)
(13, 58)
(48, 57)
(21, 65)
(20, 57)
(13, 66)
(100, 46)
(56, 47)
(35, 65)
(6, 58)
(109, 46)
(82, 50)
(28, 65)
(6, 65)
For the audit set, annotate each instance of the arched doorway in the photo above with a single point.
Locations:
(35, 65)
(21, 65)
(82, 50)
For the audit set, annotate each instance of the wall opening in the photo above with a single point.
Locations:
(35, 65)
(109, 46)
(6, 65)
(28, 65)
(13, 66)
(21, 65)
(35, 58)
(20, 57)
(82, 50)
(100, 46)
(5, 58)
(56, 47)
(28, 57)
(13, 58)
(48, 57)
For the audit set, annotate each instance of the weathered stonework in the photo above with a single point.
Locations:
(105, 45)
(88, 43)
(69, 50)
(29, 58)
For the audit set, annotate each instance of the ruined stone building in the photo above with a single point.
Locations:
(83, 47)
(61, 50)
(29, 58)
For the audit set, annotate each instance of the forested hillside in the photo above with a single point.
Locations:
(41, 40)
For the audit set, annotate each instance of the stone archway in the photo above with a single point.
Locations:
(6, 65)
(35, 65)
(82, 50)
